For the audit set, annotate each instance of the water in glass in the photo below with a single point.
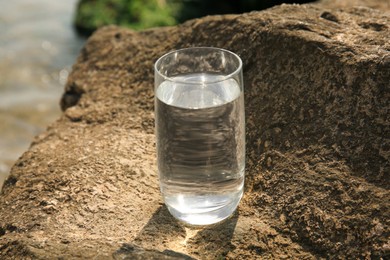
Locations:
(201, 146)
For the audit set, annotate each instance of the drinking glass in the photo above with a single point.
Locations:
(200, 133)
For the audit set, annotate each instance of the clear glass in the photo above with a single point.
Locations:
(200, 131)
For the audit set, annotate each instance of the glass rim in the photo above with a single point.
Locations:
(225, 77)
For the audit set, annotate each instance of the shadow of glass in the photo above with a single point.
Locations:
(165, 232)
(215, 240)
(161, 228)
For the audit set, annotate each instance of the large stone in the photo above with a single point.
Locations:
(317, 178)
(383, 5)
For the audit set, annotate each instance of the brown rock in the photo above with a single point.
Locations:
(383, 5)
(317, 184)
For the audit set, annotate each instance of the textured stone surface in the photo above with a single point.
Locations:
(317, 178)
(383, 5)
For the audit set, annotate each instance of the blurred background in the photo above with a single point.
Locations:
(37, 49)
(40, 40)
(140, 14)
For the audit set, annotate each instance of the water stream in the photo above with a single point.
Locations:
(37, 49)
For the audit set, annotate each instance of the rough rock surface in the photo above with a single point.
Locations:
(383, 5)
(317, 178)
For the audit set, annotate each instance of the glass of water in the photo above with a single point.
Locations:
(200, 131)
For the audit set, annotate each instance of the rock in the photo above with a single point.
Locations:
(317, 178)
(131, 252)
(383, 5)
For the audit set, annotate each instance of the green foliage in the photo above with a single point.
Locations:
(136, 14)
(147, 13)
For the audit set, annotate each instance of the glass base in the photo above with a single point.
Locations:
(202, 210)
